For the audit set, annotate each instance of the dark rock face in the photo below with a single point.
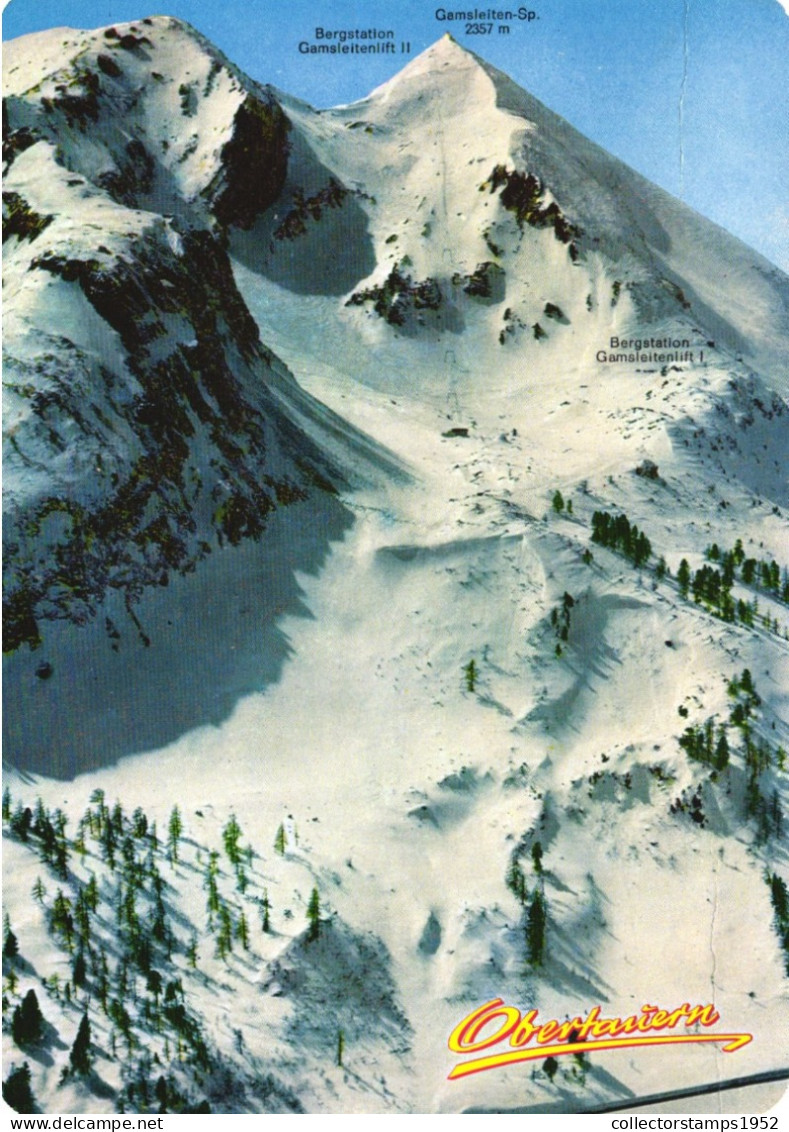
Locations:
(487, 281)
(156, 485)
(20, 220)
(524, 195)
(158, 507)
(399, 297)
(254, 164)
(648, 469)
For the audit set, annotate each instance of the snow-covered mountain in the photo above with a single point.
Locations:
(436, 460)
(150, 431)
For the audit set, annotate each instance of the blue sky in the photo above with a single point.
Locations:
(692, 93)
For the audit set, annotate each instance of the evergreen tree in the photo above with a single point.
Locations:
(82, 915)
(129, 855)
(550, 1067)
(174, 831)
(40, 817)
(231, 836)
(279, 840)
(108, 841)
(161, 1093)
(27, 1024)
(101, 812)
(10, 943)
(516, 881)
(722, 751)
(159, 928)
(116, 818)
(683, 577)
(79, 841)
(642, 549)
(265, 912)
(92, 893)
(224, 939)
(557, 503)
(191, 953)
(212, 869)
(60, 858)
(536, 856)
(120, 1016)
(340, 1046)
(80, 1056)
(470, 672)
(61, 919)
(6, 804)
(780, 900)
(21, 822)
(535, 929)
(17, 1092)
(79, 972)
(45, 831)
(776, 813)
(242, 931)
(154, 985)
(313, 915)
(139, 823)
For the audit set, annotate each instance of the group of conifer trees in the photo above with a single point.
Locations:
(764, 574)
(710, 743)
(123, 937)
(618, 533)
(711, 585)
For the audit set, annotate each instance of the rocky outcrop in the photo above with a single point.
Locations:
(254, 163)
(186, 453)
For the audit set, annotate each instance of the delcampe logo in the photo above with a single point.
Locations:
(495, 1035)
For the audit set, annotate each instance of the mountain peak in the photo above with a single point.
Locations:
(444, 60)
(445, 51)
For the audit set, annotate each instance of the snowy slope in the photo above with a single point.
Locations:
(150, 435)
(416, 242)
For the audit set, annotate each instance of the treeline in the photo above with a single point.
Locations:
(709, 586)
